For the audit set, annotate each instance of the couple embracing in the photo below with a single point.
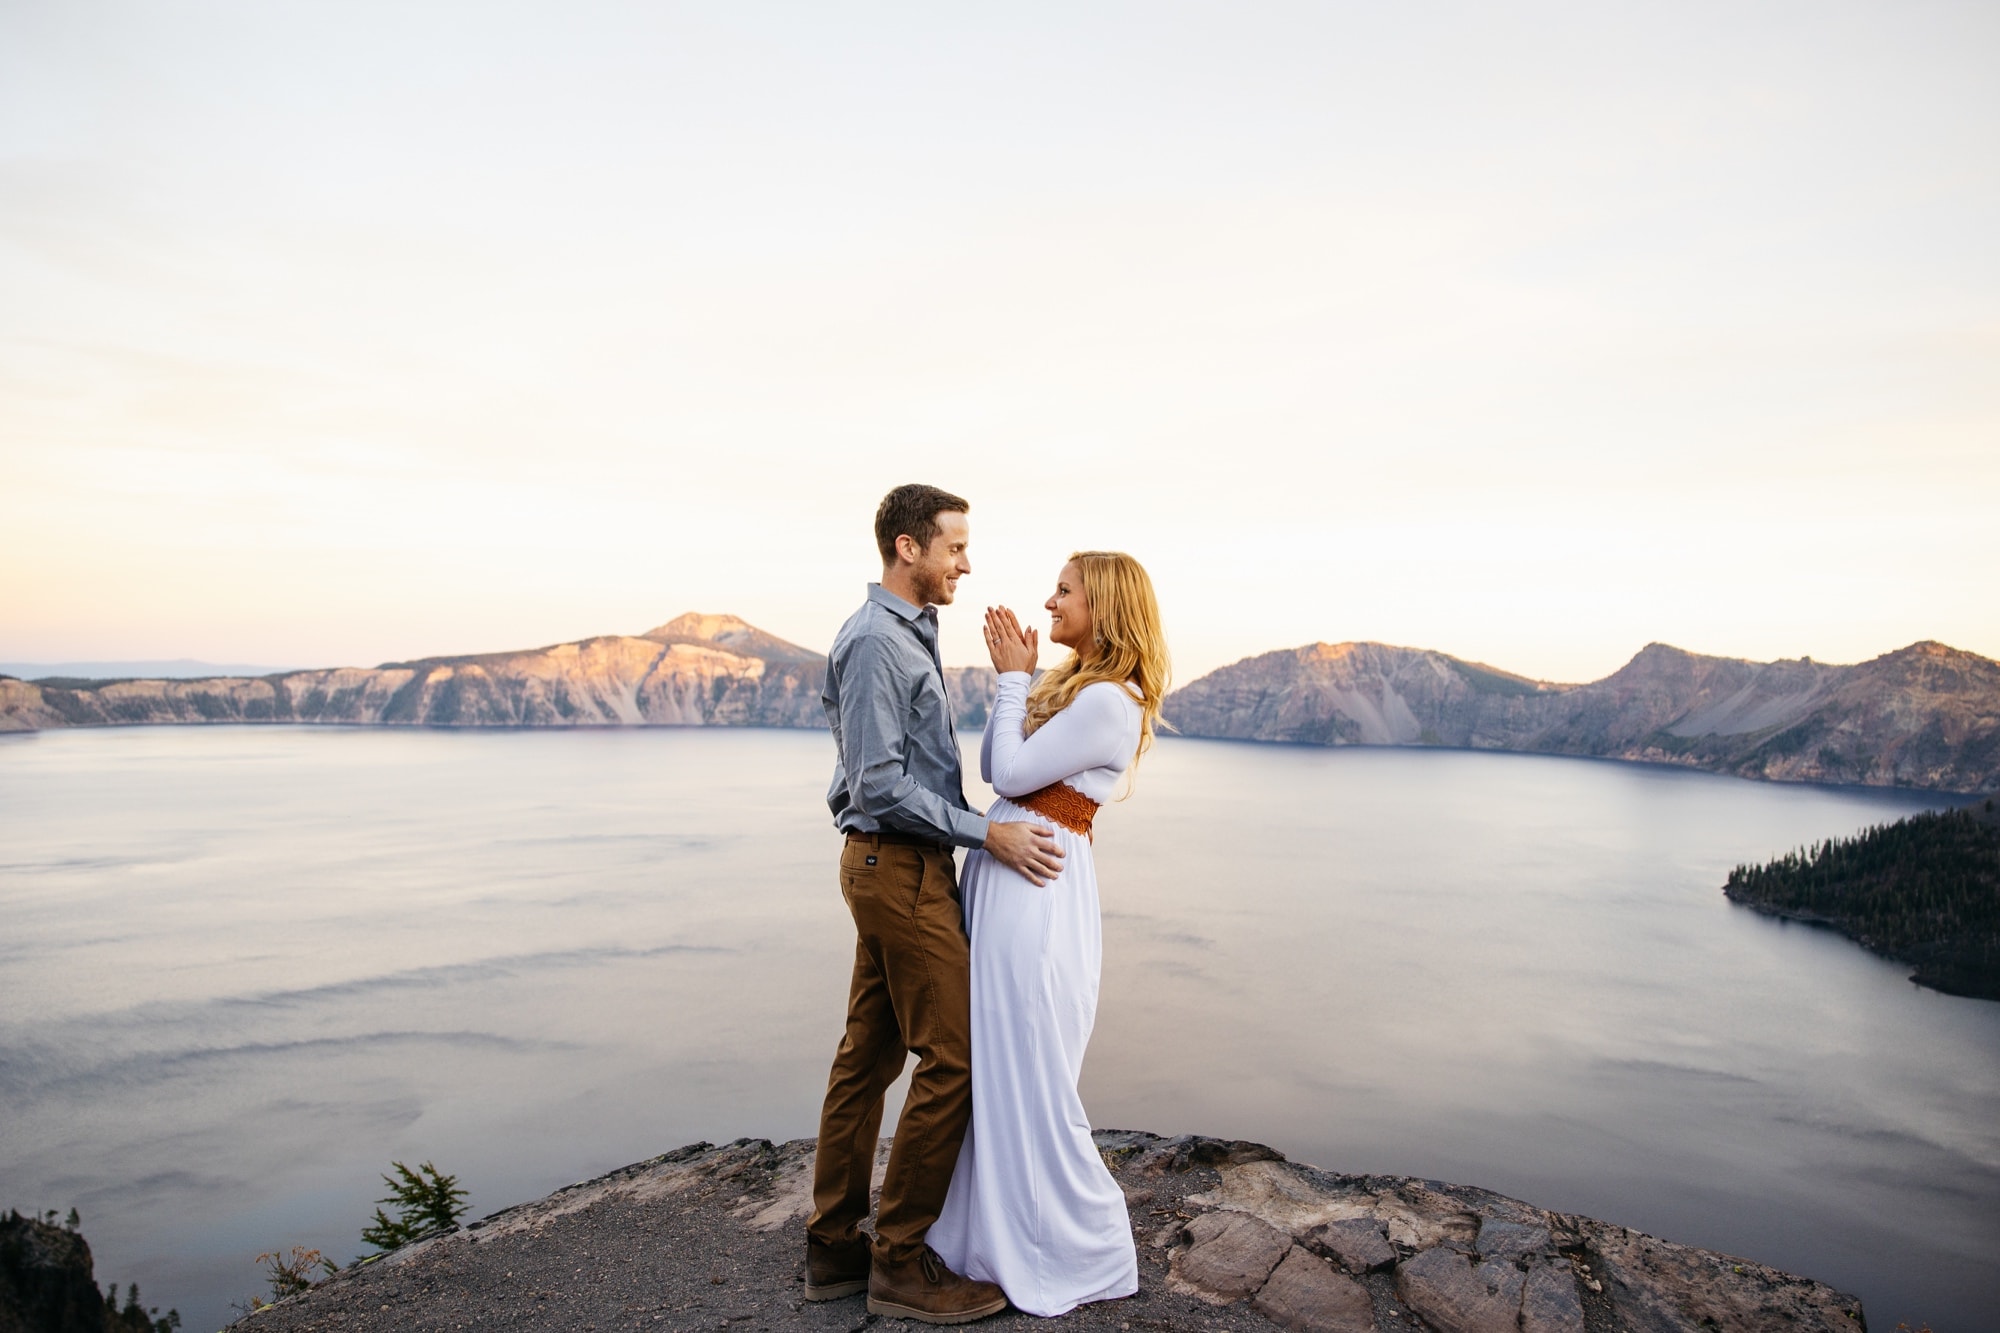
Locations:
(994, 1191)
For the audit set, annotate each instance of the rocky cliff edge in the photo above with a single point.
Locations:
(1230, 1235)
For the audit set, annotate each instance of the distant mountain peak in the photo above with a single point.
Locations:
(699, 625)
(730, 633)
(1657, 651)
(1931, 648)
(1334, 652)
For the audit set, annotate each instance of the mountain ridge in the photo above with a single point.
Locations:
(698, 669)
(1925, 716)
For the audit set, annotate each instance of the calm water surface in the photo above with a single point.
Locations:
(246, 967)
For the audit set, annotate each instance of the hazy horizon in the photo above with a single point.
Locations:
(369, 333)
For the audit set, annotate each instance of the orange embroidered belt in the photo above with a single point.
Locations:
(1062, 803)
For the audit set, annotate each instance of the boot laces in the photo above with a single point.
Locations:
(933, 1267)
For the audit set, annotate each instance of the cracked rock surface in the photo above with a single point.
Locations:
(1232, 1238)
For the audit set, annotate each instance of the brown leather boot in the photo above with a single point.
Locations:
(923, 1288)
(833, 1271)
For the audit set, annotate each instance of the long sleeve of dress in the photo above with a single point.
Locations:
(1095, 731)
(986, 741)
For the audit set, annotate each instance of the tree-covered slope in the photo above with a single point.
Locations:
(1924, 890)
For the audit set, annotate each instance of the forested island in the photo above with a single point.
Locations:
(1923, 890)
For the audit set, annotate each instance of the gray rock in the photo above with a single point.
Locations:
(1443, 1286)
(1192, 1150)
(1421, 1214)
(1307, 1296)
(691, 1236)
(1228, 1257)
(1500, 1239)
(1659, 1286)
(1550, 1303)
(1357, 1242)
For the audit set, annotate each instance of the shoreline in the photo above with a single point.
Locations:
(1951, 798)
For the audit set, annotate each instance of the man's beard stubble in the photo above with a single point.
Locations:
(932, 588)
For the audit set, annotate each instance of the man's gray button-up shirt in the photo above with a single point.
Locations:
(896, 761)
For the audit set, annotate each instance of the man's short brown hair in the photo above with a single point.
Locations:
(912, 511)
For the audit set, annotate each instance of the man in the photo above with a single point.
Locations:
(899, 797)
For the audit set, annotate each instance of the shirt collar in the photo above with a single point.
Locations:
(882, 597)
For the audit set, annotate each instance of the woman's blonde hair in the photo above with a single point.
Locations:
(1127, 644)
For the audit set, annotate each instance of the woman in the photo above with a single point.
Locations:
(1031, 1205)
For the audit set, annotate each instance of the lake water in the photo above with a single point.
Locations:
(245, 968)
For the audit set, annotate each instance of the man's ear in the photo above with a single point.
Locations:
(907, 549)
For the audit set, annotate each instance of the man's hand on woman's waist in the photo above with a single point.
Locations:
(1029, 850)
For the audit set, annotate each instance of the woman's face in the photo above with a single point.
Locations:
(1069, 610)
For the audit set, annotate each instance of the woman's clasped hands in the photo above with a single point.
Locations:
(1012, 648)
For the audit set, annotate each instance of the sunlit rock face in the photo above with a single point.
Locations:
(694, 671)
(1925, 716)
(731, 635)
(1361, 694)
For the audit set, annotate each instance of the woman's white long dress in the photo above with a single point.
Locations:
(1031, 1205)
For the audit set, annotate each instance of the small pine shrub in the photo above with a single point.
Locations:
(425, 1200)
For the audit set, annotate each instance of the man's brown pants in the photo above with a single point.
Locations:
(912, 991)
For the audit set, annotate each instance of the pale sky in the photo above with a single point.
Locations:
(343, 332)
